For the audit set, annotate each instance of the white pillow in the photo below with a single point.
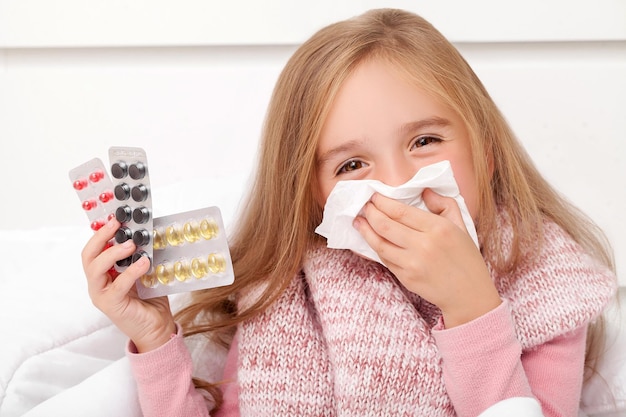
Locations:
(110, 392)
(53, 337)
(514, 407)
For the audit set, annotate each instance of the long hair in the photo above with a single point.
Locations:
(276, 227)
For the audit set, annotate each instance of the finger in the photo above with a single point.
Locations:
(118, 295)
(97, 270)
(445, 207)
(391, 229)
(125, 282)
(383, 247)
(391, 254)
(96, 244)
(103, 262)
(403, 213)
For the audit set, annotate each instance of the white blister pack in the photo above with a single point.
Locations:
(131, 187)
(190, 253)
(95, 191)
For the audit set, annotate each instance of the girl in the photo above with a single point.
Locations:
(446, 328)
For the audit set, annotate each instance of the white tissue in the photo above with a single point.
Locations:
(347, 199)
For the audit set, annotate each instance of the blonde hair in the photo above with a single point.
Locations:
(277, 226)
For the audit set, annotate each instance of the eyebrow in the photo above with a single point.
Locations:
(434, 121)
(344, 147)
(404, 130)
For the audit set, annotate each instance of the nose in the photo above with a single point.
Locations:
(396, 172)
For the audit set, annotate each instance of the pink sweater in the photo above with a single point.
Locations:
(532, 345)
(481, 365)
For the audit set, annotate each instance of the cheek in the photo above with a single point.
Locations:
(469, 191)
(468, 186)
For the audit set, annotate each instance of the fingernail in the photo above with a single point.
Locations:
(127, 244)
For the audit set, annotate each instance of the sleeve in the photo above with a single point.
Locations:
(163, 378)
(483, 364)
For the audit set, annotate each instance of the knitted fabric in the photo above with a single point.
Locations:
(347, 339)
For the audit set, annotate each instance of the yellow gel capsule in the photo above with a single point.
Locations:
(208, 229)
(199, 268)
(158, 240)
(182, 272)
(191, 232)
(164, 273)
(174, 236)
(216, 263)
(148, 280)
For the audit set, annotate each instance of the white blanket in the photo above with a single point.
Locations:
(62, 357)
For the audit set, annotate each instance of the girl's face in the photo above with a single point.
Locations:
(381, 127)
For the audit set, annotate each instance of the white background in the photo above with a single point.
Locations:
(189, 81)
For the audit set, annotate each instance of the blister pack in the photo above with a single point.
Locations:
(131, 187)
(95, 191)
(190, 253)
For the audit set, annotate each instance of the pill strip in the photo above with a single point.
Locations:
(190, 253)
(131, 181)
(95, 191)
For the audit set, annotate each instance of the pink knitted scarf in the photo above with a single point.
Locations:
(346, 339)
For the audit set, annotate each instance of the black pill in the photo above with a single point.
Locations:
(119, 169)
(122, 191)
(141, 215)
(124, 262)
(138, 255)
(139, 192)
(137, 171)
(141, 237)
(123, 234)
(123, 213)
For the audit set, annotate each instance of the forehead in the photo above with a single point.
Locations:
(377, 94)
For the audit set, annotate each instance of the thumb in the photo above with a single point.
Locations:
(445, 207)
(127, 279)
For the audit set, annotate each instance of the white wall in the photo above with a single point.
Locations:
(189, 82)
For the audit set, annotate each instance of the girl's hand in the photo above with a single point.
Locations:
(148, 323)
(431, 254)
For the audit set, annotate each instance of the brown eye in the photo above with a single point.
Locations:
(425, 140)
(352, 165)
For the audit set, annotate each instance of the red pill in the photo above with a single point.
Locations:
(80, 184)
(113, 273)
(97, 224)
(106, 196)
(96, 176)
(89, 204)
